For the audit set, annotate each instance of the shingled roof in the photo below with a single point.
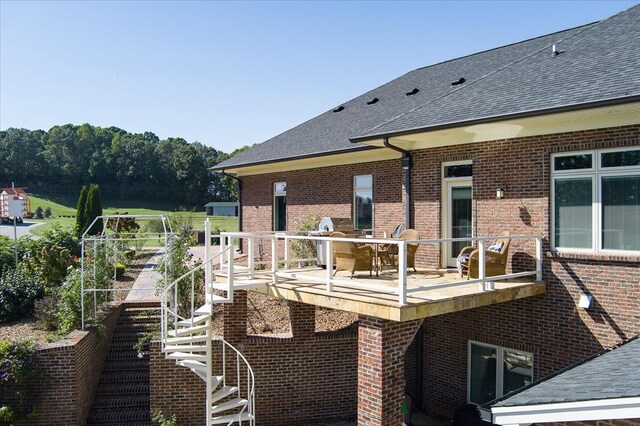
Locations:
(612, 377)
(598, 63)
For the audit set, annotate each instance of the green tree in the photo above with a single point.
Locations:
(80, 212)
(92, 210)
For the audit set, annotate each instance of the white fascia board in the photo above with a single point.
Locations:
(603, 409)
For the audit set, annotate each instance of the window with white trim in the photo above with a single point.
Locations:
(363, 202)
(596, 200)
(280, 206)
(495, 371)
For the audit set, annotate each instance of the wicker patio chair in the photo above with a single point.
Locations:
(350, 256)
(408, 234)
(495, 255)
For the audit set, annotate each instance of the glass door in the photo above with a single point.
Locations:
(459, 218)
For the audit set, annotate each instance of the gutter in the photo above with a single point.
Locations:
(239, 184)
(406, 166)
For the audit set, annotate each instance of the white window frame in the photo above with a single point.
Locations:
(596, 172)
(355, 205)
(279, 190)
(499, 363)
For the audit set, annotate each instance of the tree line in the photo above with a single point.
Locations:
(126, 166)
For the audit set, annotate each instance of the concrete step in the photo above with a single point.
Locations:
(134, 388)
(139, 364)
(125, 377)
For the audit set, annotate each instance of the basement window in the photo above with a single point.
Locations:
(495, 371)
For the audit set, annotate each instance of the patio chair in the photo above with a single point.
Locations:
(495, 255)
(408, 234)
(350, 256)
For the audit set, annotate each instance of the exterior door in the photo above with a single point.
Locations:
(459, 217)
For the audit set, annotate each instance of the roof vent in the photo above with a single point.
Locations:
(554, 51)
(340, 108)
(456, 83)
(373, 101)
(413, 92)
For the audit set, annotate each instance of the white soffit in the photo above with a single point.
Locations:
(320, 161)
(604, 409)
(588, 119)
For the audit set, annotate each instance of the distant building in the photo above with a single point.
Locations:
(14, 202)
(222, 208)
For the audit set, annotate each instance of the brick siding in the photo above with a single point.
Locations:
(551, 326)
(302, 379)
(71, 369)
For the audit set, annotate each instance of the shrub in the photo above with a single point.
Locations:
(80, 215)
(119, 270)
(46, 313)
(50, 264)
(92, 210)
(47, 212)
(39, 214)
(304, 249)
(18, 292)
(17, 367)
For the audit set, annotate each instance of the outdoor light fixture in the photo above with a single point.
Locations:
(585, 301)
(499, 193)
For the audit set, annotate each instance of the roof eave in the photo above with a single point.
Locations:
(228, 168)
(502, 117)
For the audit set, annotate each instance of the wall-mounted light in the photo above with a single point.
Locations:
(585, 301)
(499, 193)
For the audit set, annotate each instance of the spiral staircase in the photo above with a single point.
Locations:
(187, 338)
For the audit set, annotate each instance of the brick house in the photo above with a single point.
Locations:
(540, 138)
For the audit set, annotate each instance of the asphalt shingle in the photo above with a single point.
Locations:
(614, 374)
(598, 61)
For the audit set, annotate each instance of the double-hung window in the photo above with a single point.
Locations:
(280, 206)
(596, 200)
(495, 371)
(363, 202)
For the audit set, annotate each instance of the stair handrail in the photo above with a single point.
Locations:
(166, 311)
(250, 406)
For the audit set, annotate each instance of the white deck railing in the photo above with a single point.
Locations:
(261, 262)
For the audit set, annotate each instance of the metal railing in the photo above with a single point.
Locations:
(277, 261)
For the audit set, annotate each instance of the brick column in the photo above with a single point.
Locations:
(235, 318)
(303, 320)
(381, 348)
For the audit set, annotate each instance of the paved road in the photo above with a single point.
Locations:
(21, 229)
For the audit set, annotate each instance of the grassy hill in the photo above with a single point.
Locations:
(63, 212)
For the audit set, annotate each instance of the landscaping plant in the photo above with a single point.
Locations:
(17, 367)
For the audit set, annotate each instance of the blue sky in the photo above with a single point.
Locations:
(229, 74)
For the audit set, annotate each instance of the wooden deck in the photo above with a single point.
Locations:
(303, 285)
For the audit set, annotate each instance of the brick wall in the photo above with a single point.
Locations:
(71, 370)
(551, 326)
(381, 377)
(306, 378)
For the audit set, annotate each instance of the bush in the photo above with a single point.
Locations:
(17, 367)
(119, 270)
(47, 212)
(161, 420)
(39, 214)
(46, 313)
(18, 292)
(51, 265)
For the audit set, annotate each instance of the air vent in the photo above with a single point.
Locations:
(413, 92)
(456, 83)
(373, 101)
(340, 108)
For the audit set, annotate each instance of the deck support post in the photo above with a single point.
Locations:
(381, 348)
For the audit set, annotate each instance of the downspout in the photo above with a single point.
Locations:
(406, 166)
(239, 185)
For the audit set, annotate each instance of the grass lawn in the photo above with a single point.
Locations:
(63, 213)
